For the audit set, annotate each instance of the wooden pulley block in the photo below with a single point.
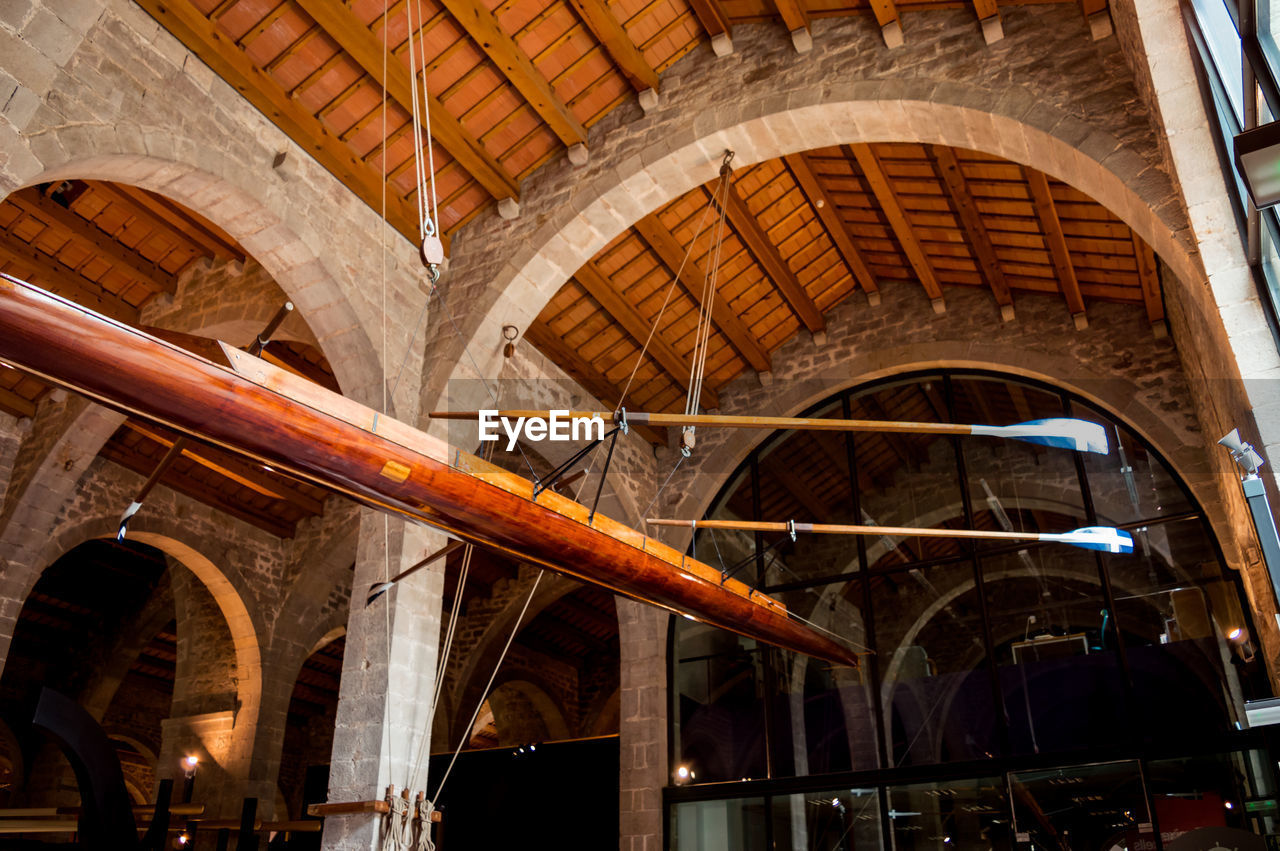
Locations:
(432, 250)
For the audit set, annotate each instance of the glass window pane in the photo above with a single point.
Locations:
(1088, 806)
(938, 703)
(1185, 632)
(825, 719)
(907, 480)
(1223, 41)
(970, 815)
(725, 549)
(716, 708)
(729, 825)
(1055, 650)
(836, 820)
(804, 476)
(1196, 794)
(1016, 486)
(1128, 483)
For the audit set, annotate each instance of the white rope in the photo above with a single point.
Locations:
(484, 695)
(665, 301)
(702, 345)
(398, 832)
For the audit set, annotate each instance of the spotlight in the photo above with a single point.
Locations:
(533, 747)
(1256, 495)
(1242, 453)
(1235, 633)
(1229, 805)
(183, 839)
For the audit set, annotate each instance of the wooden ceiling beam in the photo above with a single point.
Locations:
(19, 406)
(592, 380)
(886, 12)
(238, 471)
(1056, 242)
(989, 17)
(796, 20)
(1149, 276)
(144, 465)
(599, 287)
(58, 279)
(609, 32)
(85, 232)
(202, 37)
(672, 254)
(953, 182)
(482, 25)
(716, 24)
(878, 183)
(766, 255)
(174, 218)
(370, 53)
(825, 209)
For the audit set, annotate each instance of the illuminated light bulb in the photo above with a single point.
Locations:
(1229, 805)
(835, 802)
(682, 772)
(1235, 633)
(192, 761)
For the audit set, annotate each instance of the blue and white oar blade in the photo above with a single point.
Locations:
(1063, 432)
(1103, 538)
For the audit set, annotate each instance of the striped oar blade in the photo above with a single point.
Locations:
(1103, 538)
(1062, 432)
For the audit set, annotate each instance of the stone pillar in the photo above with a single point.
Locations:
(642, 739)
(384, 713)
(12, 431)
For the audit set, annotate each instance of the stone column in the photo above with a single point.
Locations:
(383, 711)
(642, 740)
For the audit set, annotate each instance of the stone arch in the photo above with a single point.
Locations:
(224, 583)
(483, 654)
(261, 227)
(684, 150)
(522, 690)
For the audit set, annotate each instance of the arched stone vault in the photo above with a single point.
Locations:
(831, 96)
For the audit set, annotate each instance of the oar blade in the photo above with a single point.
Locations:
(1104, 538)
(1062, 432)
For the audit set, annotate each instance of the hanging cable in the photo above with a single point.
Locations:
(667, 298)
(484, 695)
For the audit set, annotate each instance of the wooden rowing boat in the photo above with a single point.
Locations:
(248, 406)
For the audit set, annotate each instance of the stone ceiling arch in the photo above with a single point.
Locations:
(685, 150)
(261, 221)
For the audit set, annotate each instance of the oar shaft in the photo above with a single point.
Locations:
(719, 421)
(842, 529)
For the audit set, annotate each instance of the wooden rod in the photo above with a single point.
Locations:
(725, 421)
(842, 529)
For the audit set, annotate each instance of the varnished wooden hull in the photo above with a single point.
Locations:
(293, 425)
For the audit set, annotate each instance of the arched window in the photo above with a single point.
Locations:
(985, 653)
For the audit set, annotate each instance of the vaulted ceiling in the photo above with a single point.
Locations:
(509, 85)
(804, 233)
(114, 248)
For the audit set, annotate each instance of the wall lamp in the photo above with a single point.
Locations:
(1257, 156)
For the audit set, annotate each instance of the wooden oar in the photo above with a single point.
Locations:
(1080, 435)
(1090, 537)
